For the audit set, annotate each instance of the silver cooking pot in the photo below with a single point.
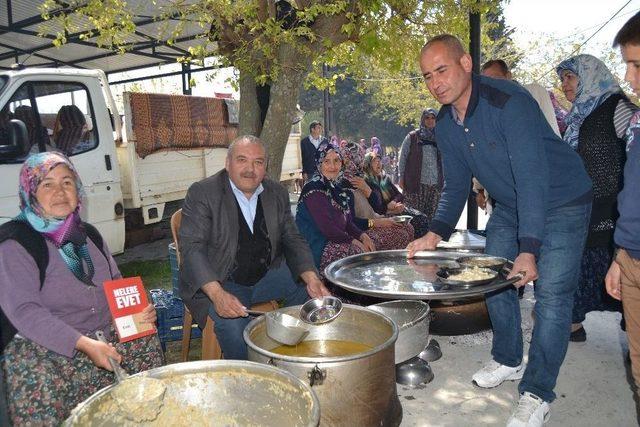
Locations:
(412, 318)
(354, 390)
(214, 392)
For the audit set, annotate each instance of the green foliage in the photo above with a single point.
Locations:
(355, 113)
(154, 274)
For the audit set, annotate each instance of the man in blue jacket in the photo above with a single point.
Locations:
(494, 130)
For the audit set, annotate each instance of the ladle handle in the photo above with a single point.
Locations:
(120, 373)
(256, 312)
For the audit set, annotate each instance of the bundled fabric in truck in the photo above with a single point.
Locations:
(165, 122)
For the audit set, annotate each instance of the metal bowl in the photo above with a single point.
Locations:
(214, 392)
(402, 218)
(448, 276)
(493, 262)
(414, 372)
(320, 310)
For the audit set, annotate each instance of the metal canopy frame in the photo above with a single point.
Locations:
(21, 41)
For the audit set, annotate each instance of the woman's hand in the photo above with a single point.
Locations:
(360, 184)
(367, 242)
(359, 244)
(149, 314)
(386, 222)
(98, 352)
(395, 208)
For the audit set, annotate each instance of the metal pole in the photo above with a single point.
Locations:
(326, 104)
(474, 51)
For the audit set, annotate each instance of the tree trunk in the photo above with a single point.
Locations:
(282, 107)
(249, 110)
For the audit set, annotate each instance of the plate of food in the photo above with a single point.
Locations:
(466, 275)
(493, 262)
(402, 218)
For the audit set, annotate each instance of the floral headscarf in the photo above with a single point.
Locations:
(330, 187)
(67, 234)
(560, 113)
(355, 154)
(375, 146)
(382, 181)
(595, 85)
(426, 136)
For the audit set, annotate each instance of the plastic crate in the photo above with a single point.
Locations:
(175, 270)
(170, 313)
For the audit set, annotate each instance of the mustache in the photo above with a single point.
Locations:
(248, 175)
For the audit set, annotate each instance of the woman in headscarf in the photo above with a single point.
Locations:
(387, 199)
(386, 233)
(325, 216)
(51, 360)
(596, 127)
(420, 166)
(375, 146)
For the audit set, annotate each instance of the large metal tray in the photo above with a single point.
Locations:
(389, 274)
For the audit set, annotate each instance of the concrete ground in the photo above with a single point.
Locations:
(593, 386)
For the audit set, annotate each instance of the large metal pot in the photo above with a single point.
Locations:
(412, 319)
(355, 390)
(214, 392)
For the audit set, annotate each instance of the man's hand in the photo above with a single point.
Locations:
(524, 263)
(224, 303)
(98, 352)
(315, 287)
(612, 280)
(367, 242)
(428, 242)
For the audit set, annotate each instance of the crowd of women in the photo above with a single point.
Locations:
(351, 205)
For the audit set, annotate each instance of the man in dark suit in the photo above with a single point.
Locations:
(239, 245)
(308, 146)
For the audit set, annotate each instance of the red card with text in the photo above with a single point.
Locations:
(127, 299)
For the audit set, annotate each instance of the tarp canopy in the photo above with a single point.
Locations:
(21, 22)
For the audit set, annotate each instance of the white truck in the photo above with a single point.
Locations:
(73, 111)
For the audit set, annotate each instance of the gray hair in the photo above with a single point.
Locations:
(250, 139)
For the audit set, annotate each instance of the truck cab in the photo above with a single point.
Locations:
(64, 110)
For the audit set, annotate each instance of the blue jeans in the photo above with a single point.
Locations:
(565, 232)
(276, 284)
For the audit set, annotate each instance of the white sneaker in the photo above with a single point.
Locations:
(494, 374)
(531, 412)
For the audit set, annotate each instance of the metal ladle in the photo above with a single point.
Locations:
(140, 398)
(289, 330)
(282, 327)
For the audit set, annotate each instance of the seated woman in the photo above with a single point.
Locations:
(51, 313)
(69, 128)
(386, 233)
(325, 216)
(388, 199)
